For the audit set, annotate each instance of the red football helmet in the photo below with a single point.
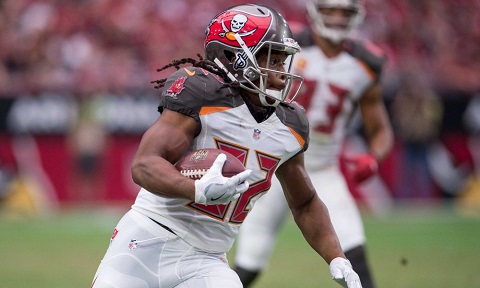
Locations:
(332, 28)
(236, 35)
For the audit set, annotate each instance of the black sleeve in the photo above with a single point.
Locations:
(294, 116)
(183, 93)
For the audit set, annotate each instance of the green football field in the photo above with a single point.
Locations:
(409, 248)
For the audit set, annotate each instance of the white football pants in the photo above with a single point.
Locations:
(143, 254)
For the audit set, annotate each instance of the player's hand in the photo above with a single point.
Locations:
(360, 167)
(342, 272)
(214, 188)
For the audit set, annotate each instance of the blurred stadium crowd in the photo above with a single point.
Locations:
(75, 77)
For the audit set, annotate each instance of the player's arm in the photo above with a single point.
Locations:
(312, 217)
(379, 134)
(309, 212)
(376, 122)
(161, 145)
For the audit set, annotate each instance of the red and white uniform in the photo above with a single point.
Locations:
(330, 93)
(205, 232)
(226, 123)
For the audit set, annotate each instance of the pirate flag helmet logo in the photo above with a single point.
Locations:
(236, 35)
(251, 28)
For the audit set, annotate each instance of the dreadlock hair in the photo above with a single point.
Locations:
(202, 63)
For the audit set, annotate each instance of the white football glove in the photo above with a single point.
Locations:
(342, 272)
(214, 188)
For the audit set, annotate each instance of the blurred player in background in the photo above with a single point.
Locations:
(339, 74)
(179, 230)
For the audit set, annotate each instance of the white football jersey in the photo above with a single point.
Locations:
(330, 93)
(225, 123)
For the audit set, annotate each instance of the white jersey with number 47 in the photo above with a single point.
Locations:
(330, 92)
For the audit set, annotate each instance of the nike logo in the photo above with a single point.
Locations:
(215, 199)
(190, 73)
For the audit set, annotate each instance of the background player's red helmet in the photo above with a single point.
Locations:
(236, 35)
(328, 27)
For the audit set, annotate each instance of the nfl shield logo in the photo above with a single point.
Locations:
(256, 133)
(133, 244)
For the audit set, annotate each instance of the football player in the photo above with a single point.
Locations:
(340, 74)
(179, 230)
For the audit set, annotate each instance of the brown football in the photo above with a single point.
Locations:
(196, 163)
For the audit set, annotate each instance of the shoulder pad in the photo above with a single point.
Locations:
(189, 89)
(293, 115)
(367, 52)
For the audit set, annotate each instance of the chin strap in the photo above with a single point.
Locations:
(244, 47)
(263, 97)
(229, 75)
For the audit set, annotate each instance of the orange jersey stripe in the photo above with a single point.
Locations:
(300, 140)
(367, 69)
(210, 110)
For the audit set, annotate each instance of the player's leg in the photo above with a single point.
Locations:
(132, 257)
(258, 234)
(358, 258)
(143, 254)
(346, 219)
(208, 271)
(246, 276)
